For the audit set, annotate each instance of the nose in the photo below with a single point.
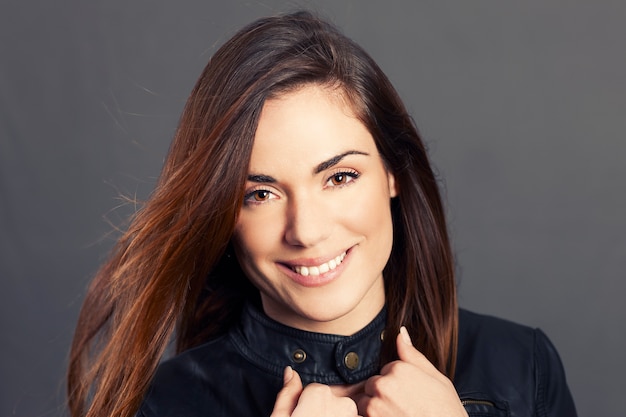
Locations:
(308, 223)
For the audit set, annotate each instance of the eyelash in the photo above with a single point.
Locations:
(350, 175)
(248, 198)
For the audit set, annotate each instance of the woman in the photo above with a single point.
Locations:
(296, 248)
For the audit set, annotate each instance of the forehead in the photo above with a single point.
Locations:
(333, 97)
(309, 124)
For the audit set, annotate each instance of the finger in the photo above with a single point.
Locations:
(406, 351)
(363, 405)
(344, 406)
(350, 391)
(287, 398)
(371, 388)
(318, 400)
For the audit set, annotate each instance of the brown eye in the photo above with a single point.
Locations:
(258, 197)
(338, 179)
(341, 178)
(261, 195)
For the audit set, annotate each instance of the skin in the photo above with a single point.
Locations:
(317, 188)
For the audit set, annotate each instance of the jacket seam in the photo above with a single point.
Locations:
(539, 360)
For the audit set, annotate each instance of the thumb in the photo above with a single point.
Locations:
(409, 354)
(288, 397)
(406, 351)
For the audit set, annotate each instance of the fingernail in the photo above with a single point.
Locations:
(405, 336)
(287, 375)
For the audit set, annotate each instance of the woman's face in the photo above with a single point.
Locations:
(315, 230)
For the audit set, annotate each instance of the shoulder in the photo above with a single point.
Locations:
(483, 329)
(213, 379)
(181, 383)
(489, 344)
(511, 364)
(484, 337)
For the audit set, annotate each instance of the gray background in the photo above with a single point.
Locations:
(522, 104)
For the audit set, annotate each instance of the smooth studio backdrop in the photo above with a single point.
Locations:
(522, 103)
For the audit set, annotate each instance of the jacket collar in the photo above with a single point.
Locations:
(317, 357)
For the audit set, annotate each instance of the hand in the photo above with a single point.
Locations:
(316, 400)
(411, 386)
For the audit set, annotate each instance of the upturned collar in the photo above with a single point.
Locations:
(317, 357)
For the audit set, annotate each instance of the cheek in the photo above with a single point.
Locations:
(255, 235)
(371, 217)
(245, 237)
(248, 246)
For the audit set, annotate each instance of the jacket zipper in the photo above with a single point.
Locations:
(478, 402)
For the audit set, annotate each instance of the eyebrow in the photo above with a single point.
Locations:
(266, 179)
(335, 160)
(261, 178)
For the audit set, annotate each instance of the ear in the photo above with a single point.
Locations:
(393, 188)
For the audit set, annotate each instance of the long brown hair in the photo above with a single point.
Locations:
(171, 272)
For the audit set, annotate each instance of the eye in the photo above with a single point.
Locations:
(342, 178)
(258, 196)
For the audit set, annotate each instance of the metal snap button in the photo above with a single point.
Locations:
(299, 356)
(351, 360)
(382, 336)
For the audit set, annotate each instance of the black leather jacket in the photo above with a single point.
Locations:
(503, 369)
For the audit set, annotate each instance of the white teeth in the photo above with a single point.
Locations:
(305, 271)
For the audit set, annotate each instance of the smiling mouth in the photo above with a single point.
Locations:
(306, 271)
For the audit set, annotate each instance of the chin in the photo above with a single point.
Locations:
(344, 317)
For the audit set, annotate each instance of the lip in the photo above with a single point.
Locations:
(314, 280)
